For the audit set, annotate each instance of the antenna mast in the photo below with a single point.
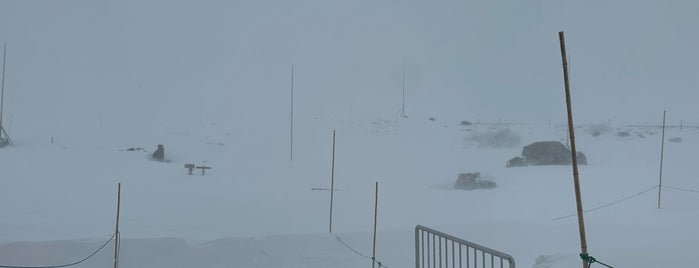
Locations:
(2, 86)
(6, 140)
(402, 109)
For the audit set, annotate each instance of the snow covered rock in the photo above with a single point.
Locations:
(473, 181)
(622, 134)
(516, 162)
(546, 153)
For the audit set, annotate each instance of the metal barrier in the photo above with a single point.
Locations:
(435, 249)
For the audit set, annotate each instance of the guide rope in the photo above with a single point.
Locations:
(681, 189)
(590, 260)
(66, 265)
(609, 204)
(360, 254)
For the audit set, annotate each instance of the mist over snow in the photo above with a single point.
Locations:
(210, 80)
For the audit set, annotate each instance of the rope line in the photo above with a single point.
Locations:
(66, 265)
(358, 253)
(590, 260)
(681, 189)
(609, 204)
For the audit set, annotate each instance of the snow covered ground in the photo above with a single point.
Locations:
(211, 82)
(255, 208)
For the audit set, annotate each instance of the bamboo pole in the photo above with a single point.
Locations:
(662, 150)
(376, 206)
(116, 233)
(571, 134)
(332, 186)
(291, 115)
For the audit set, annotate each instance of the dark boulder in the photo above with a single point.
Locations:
(623, 134)
(516, 162)
(546, 153)
(580, 157)
(473, 181)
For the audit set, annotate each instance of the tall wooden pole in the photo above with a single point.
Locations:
(662, 150)
(571, 132)
(116, 234)
(376, 206)
(291, 150)
(332, 186)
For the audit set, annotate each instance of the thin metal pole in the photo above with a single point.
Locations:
(2, 87)
(662, 150)
(332, 186)
(571, 132)
(376, 206)
(402, 110)
(291, 143)
(117, 236)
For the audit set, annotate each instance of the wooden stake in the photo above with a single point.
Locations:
(376, 205)
(116, 233)
(662, 149)
(291, 151)
(332, 186)
(571, 132)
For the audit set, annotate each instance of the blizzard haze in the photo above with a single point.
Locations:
(86, 80)
(210, 60)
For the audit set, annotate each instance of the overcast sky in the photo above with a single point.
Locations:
(484, 59)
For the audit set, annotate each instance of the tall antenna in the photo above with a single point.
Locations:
(6, 140)
(402, 109)
(2, 87)
(291, 115)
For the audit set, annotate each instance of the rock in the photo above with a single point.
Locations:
(473, 181)
(516, 162)
(622, 134)
(676, 139)
(546, 153)
(465, 123)
(580, 157)
(596, 133)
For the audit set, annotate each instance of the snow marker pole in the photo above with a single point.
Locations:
(2, 86)
(291, 115)
(571, 132)
(662, 149)
(117, 236)
(376, 205)
(332, 186)
(402, 109)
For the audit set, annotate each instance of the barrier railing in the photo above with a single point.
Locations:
(436, 249)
